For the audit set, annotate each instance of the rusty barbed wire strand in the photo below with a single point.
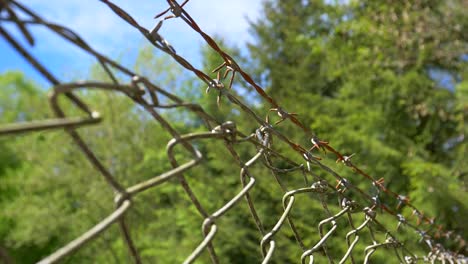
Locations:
(178, 11)
(146, 94)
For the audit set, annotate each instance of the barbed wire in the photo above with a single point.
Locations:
(145, 94)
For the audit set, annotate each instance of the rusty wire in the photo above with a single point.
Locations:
(145, 94)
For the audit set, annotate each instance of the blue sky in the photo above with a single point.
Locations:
(110, 35)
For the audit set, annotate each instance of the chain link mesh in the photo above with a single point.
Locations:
(145, 94)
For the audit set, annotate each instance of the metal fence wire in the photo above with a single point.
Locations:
(145, 94)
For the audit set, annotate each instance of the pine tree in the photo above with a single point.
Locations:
(366, 75)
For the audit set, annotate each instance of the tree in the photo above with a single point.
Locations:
(19, 100)
(56, 194)
(53, 194)
(361, 73)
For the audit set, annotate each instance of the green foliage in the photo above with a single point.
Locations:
(359, 73)
(50, 193)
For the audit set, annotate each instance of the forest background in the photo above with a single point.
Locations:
(387, 80)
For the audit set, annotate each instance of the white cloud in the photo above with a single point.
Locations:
(105, 31)
(92, 20)
(225, 18)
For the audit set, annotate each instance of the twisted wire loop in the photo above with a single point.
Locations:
(288, 202)
(353, 202)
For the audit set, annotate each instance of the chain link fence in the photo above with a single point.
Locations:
(361, 205)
